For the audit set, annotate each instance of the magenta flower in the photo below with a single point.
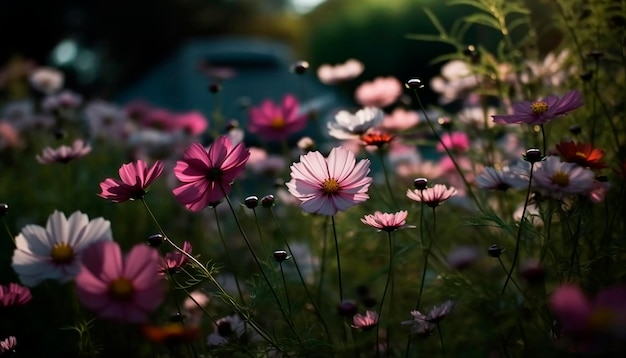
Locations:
(276, 122)
(120, 288)
(193, 123)
(208, 174)
(559, 177)
(365, 322)
(64, 154)
(432, 197)
(328, 185)
(14, 294)
(386, 221)
(136, 178)
(8, 344)
(173, 261)
(542, 111)
(456, 141)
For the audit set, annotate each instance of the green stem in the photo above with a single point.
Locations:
(338, 259)
(382, 161)
(382, 300)
(228, 256)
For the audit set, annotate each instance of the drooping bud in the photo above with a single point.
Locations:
(533, 155)
(155, 240)
(268, 201)
(414, 84)
(251, 202)
(494, 251)
(420, 183)
(300, 67)
(281, 255)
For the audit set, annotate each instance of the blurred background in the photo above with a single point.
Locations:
(119, 49)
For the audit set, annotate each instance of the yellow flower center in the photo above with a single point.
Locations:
(561, 179)
(581, 155)
(539, 107)
(330, 186)
(121, 289)
(62, 254)
(277, 122)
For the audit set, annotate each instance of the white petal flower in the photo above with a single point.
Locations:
(349, 126)
(54, 252)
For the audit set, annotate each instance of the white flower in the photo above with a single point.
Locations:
(342, 72)
(508, 177)
(47, 80)
(551, 72)
(54, 252)
(225, 329)
(456, 78)
(350, 126)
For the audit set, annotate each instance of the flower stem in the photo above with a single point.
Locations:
(6, 227)
(519, 229)
(282, 274)
(228, 256)
(382, 300)
(382, 162)
(443, 350)
(338, 259)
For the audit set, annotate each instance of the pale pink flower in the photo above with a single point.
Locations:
(328, 185)
(135, 177)
(227, 328)
(120, 288)
(456, 79)
(193, 123)
(342, 72)
(14, 294)
(559, 177)
(381, 92)
(432, 197)
(400, 120)
(455, 141)
(364, 322)
(598, 193)
(107, 121)
(504, 178)
(46, 79)
(277, 122)
(64, 154)
(476, 116)
(415, 169)
(156, 118)
(386, 221)
(262, 162)
(9, 136)
(62, 101)
(207, 174)
(55, 252)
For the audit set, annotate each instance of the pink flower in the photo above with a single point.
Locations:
(158, 118)
(386, 221)
(542, 111)
(193, 123)
(14, 294)
(207, 174)
(328, 185)
(381, 92)
(277, 122)
(262, 163)
(123, 289)
(64, 154)
(8, 344)
(365, 322)
(136, 178)
(173, 261)
(342, 72)
(400, 119)
(432, 197)
(563, 178)
(456, 142)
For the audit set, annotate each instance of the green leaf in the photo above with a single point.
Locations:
(483, 19)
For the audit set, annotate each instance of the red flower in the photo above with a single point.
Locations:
(582, 154)
(378, 139)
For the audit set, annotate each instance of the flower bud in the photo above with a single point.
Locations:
(4, 209)
(300, 67)
(533, 155)
(575, 129)
(268, 201)
(420, 183)
(586, 76)
(155, 240)
(281, 255)
(414, 84)
(347, 308)
(494, 251)
(251, 202)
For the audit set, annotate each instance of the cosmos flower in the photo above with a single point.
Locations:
(583, 154)
(365, 322)
(192, 123)
(541, 111)
(135, 177)
(9, 136)
(124, 289)
(46, 80)
(455, 141)
(55, 252)
(64, 154)
(455, 80)
(173, 261)
(106, 121)
(503, 179)
(386, 221)
(381, 92)
(62, 101)
(207, 174)
(559, 177)
(351, 126)
(328, 185)
(342, 72)
(376, 139)
(14, 294)
(8, 344)
(227, 328)
(400, 120)
(432, 197)
(277, 122)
